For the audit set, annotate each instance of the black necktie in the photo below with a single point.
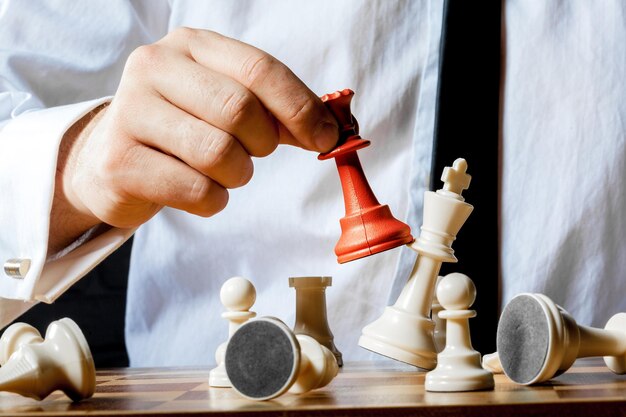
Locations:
(467, 126)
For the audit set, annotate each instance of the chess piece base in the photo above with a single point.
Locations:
(459, 373)
(537, 340)
(402, 336)
(616, 364)
(369, 232)
(264, 359)
(72, 344)
(218, 377)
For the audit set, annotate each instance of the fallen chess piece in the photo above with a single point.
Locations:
(458, 364)
(538, 340)
(491, 362)
(16, 336)
(311, 316)
(405, 330)
(62, 361)
(368, 226)
(264, 359)
(237, 295)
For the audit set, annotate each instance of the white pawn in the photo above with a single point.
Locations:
(458, 365)
(61, 361)
(237, 295)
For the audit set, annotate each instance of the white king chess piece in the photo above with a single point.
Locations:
(405, 331)
(237, 295)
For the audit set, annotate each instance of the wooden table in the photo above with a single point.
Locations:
(368, 389)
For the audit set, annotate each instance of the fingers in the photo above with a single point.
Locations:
(209, 150)
(284, 95)
(170, 183)
(213, 97)
(188, 115)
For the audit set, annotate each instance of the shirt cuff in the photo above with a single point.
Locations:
(29, 146)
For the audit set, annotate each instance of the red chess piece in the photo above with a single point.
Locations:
(368, 227)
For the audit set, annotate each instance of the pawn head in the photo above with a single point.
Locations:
(456, 292)
(237, 294)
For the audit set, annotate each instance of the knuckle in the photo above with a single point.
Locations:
(182, 33)
(218, 146)
(207, 198)
(143, 58)
(122, 113)
(299, 110)
(218, 152)
(200, 191)
(257, 67)
(237, 106)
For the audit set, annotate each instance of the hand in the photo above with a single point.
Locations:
(190, 111)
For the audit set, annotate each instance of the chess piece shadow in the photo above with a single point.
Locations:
(439, 333)
(264, 359)
(62, 361)
(538, 340)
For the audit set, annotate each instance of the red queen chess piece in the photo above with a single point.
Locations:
(368, 226)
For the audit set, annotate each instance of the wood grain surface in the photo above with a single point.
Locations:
(360, 389)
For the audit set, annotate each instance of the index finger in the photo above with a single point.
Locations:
(281, 92)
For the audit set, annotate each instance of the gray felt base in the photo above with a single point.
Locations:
(262, 359)
(523, 339)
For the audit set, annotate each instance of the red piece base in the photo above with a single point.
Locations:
(371, 231)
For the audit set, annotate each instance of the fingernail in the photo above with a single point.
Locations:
(326, 136)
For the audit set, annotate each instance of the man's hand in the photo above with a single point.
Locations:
(190, 111)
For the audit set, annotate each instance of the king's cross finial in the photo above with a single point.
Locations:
(455, 178)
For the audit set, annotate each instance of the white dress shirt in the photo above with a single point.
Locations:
(563, 160)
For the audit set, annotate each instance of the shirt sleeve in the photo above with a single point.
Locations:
(57, 62)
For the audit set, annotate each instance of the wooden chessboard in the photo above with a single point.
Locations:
(369, 389)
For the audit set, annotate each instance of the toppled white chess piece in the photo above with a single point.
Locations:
(238, 296)
(491, 362)
(62, 361)
(264, 359)
(458, 364)
(537, 340)
(405, 331)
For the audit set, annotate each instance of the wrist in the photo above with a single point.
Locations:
(70, 217)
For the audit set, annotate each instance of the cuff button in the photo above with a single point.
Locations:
(17, 267)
